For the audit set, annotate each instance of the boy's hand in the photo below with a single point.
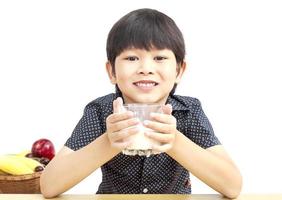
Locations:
(164, 127)
(118, 125)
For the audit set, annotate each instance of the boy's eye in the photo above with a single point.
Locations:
(131, 58)
(160, 58)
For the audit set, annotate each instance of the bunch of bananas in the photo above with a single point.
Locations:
(17, 164)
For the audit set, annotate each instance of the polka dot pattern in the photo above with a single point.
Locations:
(160, 173)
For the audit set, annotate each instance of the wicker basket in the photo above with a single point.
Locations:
(20, 184)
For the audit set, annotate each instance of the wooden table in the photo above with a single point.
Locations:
(140, 197)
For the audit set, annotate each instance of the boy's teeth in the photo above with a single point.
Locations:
(145, 84)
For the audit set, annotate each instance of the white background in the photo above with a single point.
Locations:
(52, 56)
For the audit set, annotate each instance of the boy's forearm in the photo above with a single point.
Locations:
(215, 171)
(65, 171)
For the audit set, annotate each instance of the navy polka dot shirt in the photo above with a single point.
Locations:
(159, 173)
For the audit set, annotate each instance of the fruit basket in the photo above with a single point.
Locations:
(20, 184)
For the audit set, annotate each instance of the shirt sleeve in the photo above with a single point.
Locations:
(200, 128)
(87, 129)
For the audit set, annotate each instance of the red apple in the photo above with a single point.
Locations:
(43, 148)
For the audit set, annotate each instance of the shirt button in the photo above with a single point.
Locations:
(145, 190)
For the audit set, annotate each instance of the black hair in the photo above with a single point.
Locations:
(145, 29)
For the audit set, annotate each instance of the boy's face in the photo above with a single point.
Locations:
(145, 76)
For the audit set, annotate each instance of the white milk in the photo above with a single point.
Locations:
(141, 144)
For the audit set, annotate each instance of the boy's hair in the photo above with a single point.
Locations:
(145, 29)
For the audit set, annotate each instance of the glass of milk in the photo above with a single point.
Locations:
(141, 144)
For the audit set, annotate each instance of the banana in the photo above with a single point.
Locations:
(18, 165)
(31, 163)
(11, 165)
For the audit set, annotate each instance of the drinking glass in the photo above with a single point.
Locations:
(141, 144)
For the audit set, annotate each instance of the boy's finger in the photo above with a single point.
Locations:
(115, 106)
(125, 124)
(119, 105)
(167, 109)
(121, 145)
(116, 117)
(159, 127)
(120, 135)
(163, 118)
(160, 137)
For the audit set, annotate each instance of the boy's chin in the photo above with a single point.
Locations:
(148, 100)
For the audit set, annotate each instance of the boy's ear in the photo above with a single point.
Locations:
(180, 72)
(110, 72)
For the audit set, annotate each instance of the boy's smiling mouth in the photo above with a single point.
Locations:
(145, 85)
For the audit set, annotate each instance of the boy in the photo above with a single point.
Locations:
(146, 53)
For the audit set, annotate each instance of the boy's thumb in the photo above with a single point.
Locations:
(118, 105)
(167, 109)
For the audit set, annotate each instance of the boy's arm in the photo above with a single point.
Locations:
(69, 167)
(213, 165)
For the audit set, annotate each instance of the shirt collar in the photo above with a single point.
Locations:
(178, 103)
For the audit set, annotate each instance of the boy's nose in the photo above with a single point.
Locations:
(146, 68)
